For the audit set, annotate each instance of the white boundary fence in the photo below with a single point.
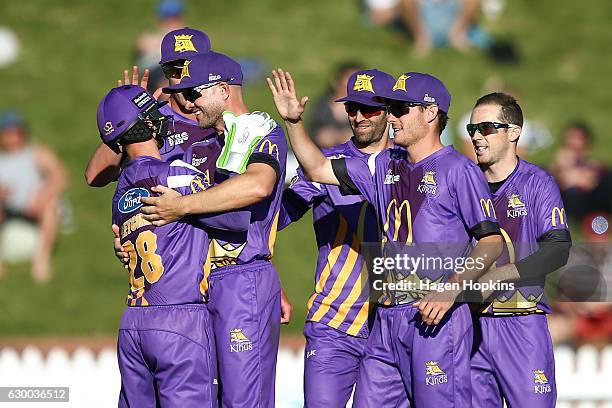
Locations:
(584, 377)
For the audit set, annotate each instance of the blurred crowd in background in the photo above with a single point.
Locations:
(33, 178)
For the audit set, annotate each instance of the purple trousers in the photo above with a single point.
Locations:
(431, 363)
(244, 304)
(513, 360)
(165, 357)
(331, 366)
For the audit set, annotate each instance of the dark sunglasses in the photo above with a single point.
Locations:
(173, 69)
(191, 95)
(402, 108)
(353, 108)
(486, 128)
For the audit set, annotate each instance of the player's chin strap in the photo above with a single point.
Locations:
(242, 134)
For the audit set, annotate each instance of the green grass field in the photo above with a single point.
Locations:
(74, 51)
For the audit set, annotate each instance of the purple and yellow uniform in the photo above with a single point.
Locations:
(245, 292)
(337, 324)
(244, 289)
(165, 350)
(513, 355)
(435, 201)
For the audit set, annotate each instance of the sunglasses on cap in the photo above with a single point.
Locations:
(398, 109)
(486, 128)
(192, 94)
(173, 69)
(352, 108)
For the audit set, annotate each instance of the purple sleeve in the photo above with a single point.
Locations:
(272, 150)
(356, 176)
(548, 207)
(298, 198)
(473, 202)
(188, 180)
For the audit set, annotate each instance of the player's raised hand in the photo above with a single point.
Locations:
(144, 81)
(163, 209)
(120, 253)
(285, 97)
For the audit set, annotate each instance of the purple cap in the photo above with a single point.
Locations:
(363, 86)
(207, 70)
(420, 88)
(182, 44)
(120, 108)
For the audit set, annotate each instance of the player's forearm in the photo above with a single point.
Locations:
(484, 254)
(236, 192)
(103, 167)
(315, 165)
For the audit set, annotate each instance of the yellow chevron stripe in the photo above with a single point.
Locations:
(360, 320)
(361, 282)
(340, 282)
(332, 258)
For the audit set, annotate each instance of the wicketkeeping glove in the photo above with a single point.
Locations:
(242, 134)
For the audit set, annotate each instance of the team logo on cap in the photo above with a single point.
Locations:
(183, 43)
(108, 128)
(363, 83)
(401, 83)
(185, 70)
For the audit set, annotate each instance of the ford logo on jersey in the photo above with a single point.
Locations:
(130, 201)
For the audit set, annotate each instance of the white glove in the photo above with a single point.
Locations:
(242, 134)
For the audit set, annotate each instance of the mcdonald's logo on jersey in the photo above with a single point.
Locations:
(560, 212)
(398, 223)
(487, 208)
(272, 148)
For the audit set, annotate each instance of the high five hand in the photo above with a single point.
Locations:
(285, 98)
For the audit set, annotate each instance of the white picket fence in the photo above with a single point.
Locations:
(584, 378)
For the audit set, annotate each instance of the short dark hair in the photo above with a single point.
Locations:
(511, 112)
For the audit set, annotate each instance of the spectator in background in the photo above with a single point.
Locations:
(585, 183)
(328, 124)
(433, 23)
(31, 181)
(147, 52)
(534, 137)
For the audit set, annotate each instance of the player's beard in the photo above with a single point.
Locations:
(209, 114)
(372, 134)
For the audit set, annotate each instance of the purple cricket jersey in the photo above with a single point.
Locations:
(341, 223)
(183, 133)
(438, 200)
(238, 248)
(527, 206)
(166, 263)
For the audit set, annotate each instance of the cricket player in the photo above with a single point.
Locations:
(339, 310)
(513, 355)
(164, 345)
(104, 165)
(244, 286)
(426, 193)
